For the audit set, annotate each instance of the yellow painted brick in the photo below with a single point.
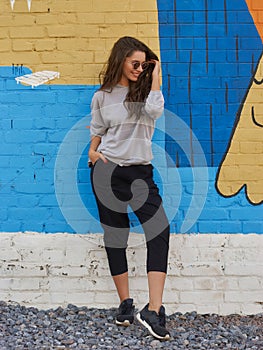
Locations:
(145, 5)
(116, 30)
(147, 30)
(95, 44)
(152, 17)
(5, 20)
(5, 45)
(67, 18)
(111, 6)
(66, 57)
(73, 44)
(27, 32)
(4, 33)
(116, 17)
(27, 58)
(56, 57)
(22, 19)
(22, 45)
(251, 147)
(136, 17)
(45, 45)
(71, 6)
(47, 18)
(101, 56)
(88, 18)
(59, 31)
(93, 69)
(88, 31)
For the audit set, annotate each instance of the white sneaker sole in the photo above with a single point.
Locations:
(145, 324)
(125, 323)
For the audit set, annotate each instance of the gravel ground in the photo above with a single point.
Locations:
(82, 328)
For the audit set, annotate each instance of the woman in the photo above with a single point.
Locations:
(124, 111)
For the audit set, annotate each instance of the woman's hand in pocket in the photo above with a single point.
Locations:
(95, 155)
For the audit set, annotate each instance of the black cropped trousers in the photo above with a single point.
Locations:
(117, 188)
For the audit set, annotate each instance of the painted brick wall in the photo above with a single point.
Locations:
(207, 273)
(211, 56)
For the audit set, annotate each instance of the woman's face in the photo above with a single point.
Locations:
(130, 71)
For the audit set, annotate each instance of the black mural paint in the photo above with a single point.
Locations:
(191, 138)
(169, 84)
(206, 33)
(189, 77)
(225, 16)
(211, 136)
(254, 119)
(226, 96)
(177, 160)
(175, 30)
(237, 49)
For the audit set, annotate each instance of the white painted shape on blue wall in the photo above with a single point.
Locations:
(38, 78)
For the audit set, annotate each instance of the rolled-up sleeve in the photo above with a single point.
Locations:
(97, 125)
(154, 104)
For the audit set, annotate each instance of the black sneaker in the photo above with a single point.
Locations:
(154, 322)
(125, 313)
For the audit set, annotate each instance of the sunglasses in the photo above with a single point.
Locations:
(137, 64)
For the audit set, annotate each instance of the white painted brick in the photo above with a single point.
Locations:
(226, 283)
(230, 308)
(247, 269)
(204, 283)
(79, 299)
(198, 297)
(9, 254)
(243, 254)
(244, 296)
(182, 307)
(202, 269)
(69, 271)
(5, 283)
(31, 255)
(208, 308)
(23, 270)
(170, 297)
(6, 241)
(54, 256)
(106, 298)
(250, 283)
(25, 283)
(30, 297)
(138, 283)
(70, 284)
(246, 241)
(251, 308)
(179, 283)
(206, 273)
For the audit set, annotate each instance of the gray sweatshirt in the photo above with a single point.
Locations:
(125, 140)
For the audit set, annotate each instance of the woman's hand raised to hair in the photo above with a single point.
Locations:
(156, 76)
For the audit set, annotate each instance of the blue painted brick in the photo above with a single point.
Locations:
(168, 30)
(252, 227)
(22, 136)
(194, 5)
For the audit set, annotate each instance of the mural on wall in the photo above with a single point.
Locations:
(243, 162)
(209, 51)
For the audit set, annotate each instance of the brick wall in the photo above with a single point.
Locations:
(207, 273)
(210, 51)
(72, 37)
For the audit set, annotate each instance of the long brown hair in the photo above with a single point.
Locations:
(112, 72)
